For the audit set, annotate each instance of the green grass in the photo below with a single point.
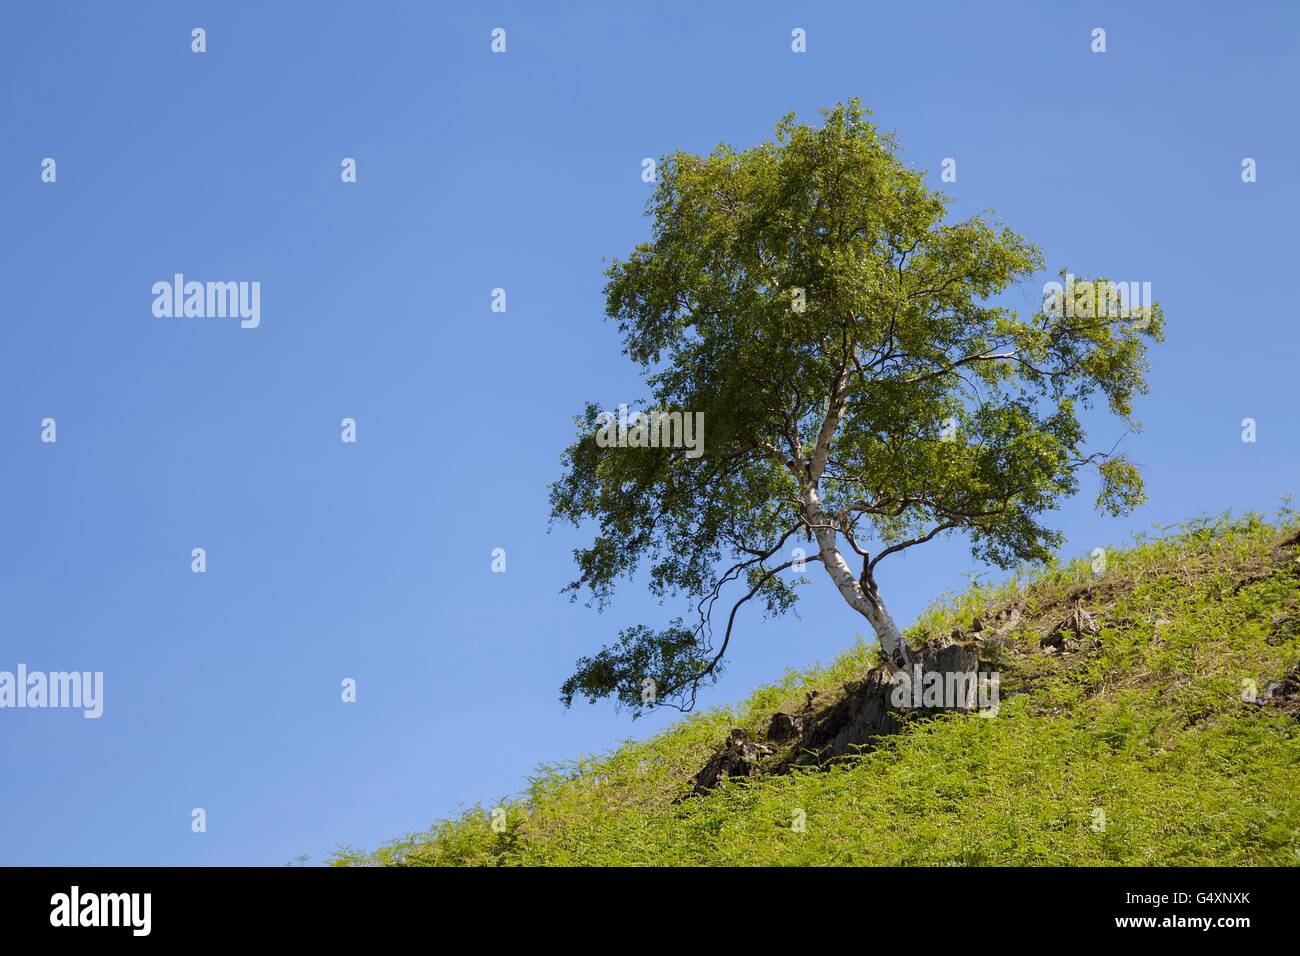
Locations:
(1148, 728)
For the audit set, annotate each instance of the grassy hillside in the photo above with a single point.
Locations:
(1145, 721)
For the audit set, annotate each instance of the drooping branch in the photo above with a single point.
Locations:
(713, 663)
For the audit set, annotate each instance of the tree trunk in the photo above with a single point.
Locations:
(887, 632)
(868, 605)
(890, 637)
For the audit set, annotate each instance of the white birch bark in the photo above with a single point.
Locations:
(887, 632)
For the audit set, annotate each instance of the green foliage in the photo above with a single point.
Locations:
(642, 660)
(840, 337)
(1148, 727)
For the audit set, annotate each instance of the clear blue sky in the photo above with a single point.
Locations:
(521, 171)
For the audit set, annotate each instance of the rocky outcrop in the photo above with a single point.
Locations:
(873, 708)
(739, 758)
(1071, 632)
(1283, 694)
(784, 728)
(867, 710)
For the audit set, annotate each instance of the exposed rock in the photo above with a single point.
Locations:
(1283, 694)
(1066, 635)
(784, 727)
(1007, 618)
(855, 721)
(861, 716)
(991, 630)
(739, 758)
(867, 711)
(1055, 641)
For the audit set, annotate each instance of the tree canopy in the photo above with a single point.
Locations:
(863, 393)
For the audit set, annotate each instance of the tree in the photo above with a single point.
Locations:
(863, 392)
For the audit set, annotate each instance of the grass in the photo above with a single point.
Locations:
(1135, 749)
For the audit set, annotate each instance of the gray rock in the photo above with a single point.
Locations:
(739, 758)
(854, 723)
(784, 727)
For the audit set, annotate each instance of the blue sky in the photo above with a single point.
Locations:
(475, 171)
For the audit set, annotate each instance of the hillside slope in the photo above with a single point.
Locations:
(1147, 716)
